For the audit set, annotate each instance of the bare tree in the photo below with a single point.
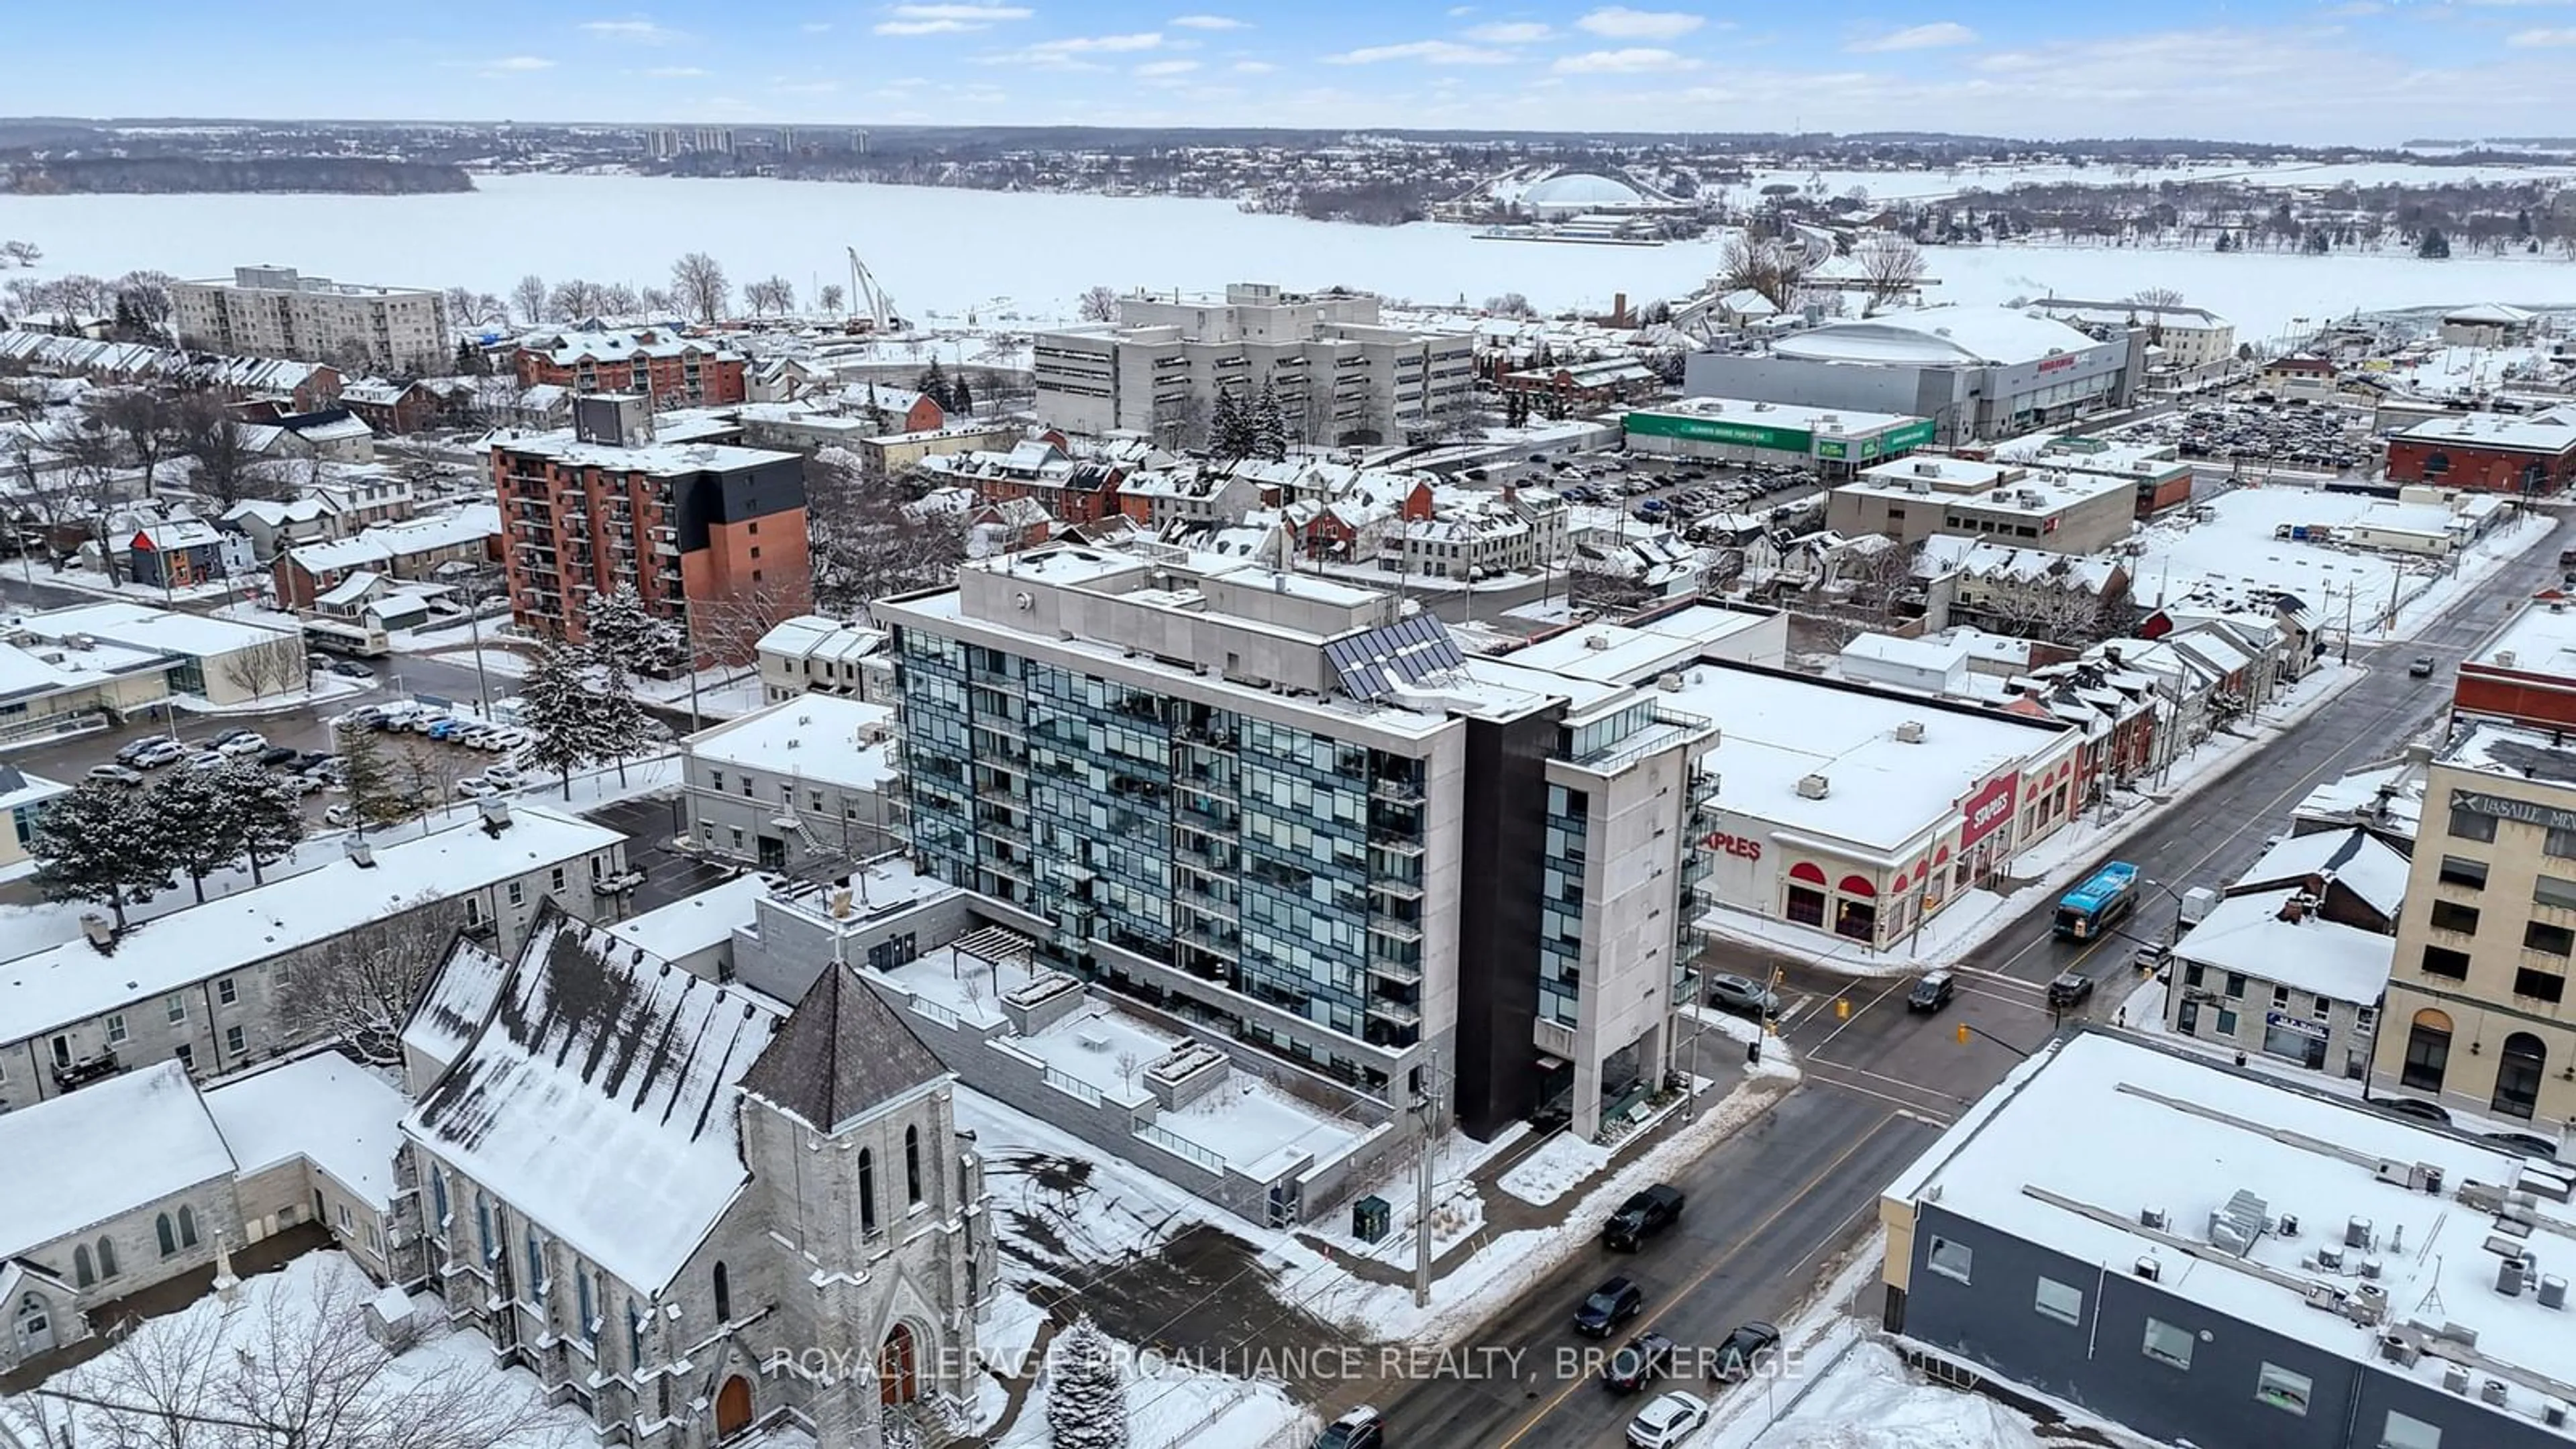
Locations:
(1890, 265)
(469, 308)
(618, 299)
(529, 296)
(359, 988)
(770, 294)
(698, 284)
(829, 298)
(265, 669)
(144, 419)
(1510, 304)
(1181, 422)
(2156, 297)
(299, 1369)
(1098, 304)
(227, 470)
(94, 486)
(867, 542)
(1769, 266)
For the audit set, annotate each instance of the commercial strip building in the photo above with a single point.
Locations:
(1338, 375)
(273, 312)
(2525, 673)
(204, 986)
(1861, 811)
(1975, 372)
(1293, 814)
(672, 370)
(2478, 1015)
(706, 534)
(2205, 1255)
(1912, 500)
(2494, 452)
(1740, 430)
(221, 661)
(2163, 476)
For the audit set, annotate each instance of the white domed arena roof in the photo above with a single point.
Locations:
(1581, 189)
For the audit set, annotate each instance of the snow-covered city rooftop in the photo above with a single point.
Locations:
(2093, 1133)
(2539, 639)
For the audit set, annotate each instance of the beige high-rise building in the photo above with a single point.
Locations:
(2477, 1016)
(276, 312)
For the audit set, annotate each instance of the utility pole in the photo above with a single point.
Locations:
(1426, 1109)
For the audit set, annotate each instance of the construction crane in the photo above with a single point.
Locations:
(874, 310)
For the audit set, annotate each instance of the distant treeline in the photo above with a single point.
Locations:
(354, 175)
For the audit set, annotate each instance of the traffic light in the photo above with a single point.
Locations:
(1963, 1033)
(1842, 1008)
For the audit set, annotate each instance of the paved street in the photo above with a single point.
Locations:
(1779, 1199)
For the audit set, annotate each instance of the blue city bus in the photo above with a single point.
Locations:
(2091, 909)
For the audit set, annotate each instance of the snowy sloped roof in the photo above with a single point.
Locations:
(102, 1151)
(325, 1108)
(1938, 336)
(1581, 189)
(844, 1053)
(2246, 934)
(602, 1099)
(457, 1003)
(2367, 865)
(2494, 314)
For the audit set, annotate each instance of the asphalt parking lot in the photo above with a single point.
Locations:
(648, 822)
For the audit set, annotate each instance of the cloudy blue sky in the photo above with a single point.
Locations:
(2370, 71)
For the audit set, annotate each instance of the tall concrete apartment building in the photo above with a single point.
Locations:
(2477, 1014)
(1290, 812)
(709, 535)
(1339, 375)
(276, 312)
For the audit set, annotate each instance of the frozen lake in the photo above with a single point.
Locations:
(1024, 257)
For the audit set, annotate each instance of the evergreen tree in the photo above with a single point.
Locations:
(200, 821)
(876, 411)
(470, 361)
(268, 823)
(1086, 1402)
(368, 776)
(100, 842)
(562, 712)
(2226, 241)
(2432, 246)
(618, 630)
(933, 384)
(961, 397)
(1268, 426)
(2522, 225)
(1229, 430)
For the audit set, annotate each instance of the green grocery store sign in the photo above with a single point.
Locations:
(1911, 434)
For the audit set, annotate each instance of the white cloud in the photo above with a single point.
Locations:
(947, 19)
(517, 65)
(804, 88)
(1919, 37)
(641, 32)
(1210, 22)
(1621, 23)
(1087, 44)
(1429, 52)
(2548, 39)
(1457, 11)
(1512, 32)
(1632, 60)
(1253, 67)
(1153, 68)
(815, 27)
(675, 72)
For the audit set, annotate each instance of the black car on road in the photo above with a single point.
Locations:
(1611, 1304)
(2069, 991)
(1745, 1351)
(1932, 992)
(1642, 1216)
(1646, 1358)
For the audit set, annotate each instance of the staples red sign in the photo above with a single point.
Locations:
(1988, 808)
(2059, 363)
(1740, 846)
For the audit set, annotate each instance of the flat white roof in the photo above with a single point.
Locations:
(326, 1108)
(2117, 1127)
(2088, 454)
(831, 738)
(1948, 474)
(2543, 434)
(89, 1155)
(1626, 653)
(140, 626)
(1832, 422)
(2519, 752)
(1938, 337)
(72, 982)
(697, 922)
(1882, 793)
(2033, 494)
(2539, 639)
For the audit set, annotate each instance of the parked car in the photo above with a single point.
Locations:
(125, 753)
(230, 735)
(1642, 1216)
(351, 669)
(2525, 1143)
(1549, 1119)
(1742, 995)
(443, 727)
(1932, 992)
(116, 775)
(340, 817)
(2410, 1107)
(157, 753)
(426, 721)
(1611, 1304)
(276, 755)
(2422, 668)
(300, 785)
(1667, 1421)
(209, 760)
(477, 789)
(1743, 1352)
(242, 745)
(2070, 990)
(1644, 1359)
(314, 759)
(1361, 1428)
(470, 732)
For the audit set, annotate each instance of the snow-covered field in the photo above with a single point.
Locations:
(946, 254)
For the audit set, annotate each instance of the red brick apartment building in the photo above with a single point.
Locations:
(707, 534)
(2526, 673)
(674, 371)
(2487, 452)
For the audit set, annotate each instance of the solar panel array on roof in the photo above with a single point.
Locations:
(1412, 651)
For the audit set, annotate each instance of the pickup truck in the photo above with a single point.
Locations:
(1642, 1216)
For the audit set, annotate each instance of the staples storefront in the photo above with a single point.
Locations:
(1867, 842)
